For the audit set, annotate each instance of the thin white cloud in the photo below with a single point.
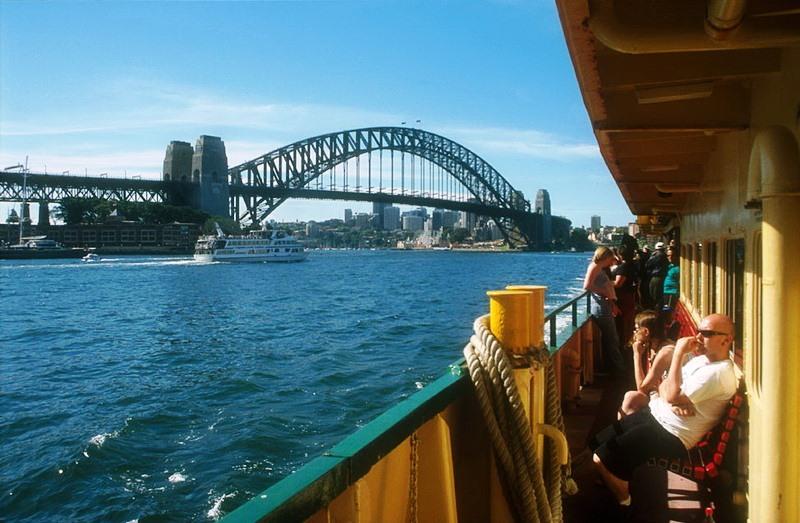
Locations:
(138, 109)
(525, 142)
(133, 104)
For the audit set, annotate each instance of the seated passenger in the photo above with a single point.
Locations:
(704, 385)
(672, 327)
(652, 353)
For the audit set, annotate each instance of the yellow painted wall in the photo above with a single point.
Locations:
(774, 446)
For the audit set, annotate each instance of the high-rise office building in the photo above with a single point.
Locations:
(596, 225)
(362, 219)
(377, 210)
(391, 218)
(348, 215)
(412, 222)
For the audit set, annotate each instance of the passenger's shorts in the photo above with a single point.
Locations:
(630, 442)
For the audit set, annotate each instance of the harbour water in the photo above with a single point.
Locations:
(162, 389)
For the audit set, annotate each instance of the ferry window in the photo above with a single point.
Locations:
(734, 285)
(697, 276)
(711, 291)
(684, 269)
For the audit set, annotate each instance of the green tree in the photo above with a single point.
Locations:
(579, 240)
(73, 211)
(458, 235)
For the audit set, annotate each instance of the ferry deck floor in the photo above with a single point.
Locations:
(657, 495)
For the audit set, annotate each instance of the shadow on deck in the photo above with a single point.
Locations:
(657, 495)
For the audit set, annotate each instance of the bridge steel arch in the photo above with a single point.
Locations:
(267, 181)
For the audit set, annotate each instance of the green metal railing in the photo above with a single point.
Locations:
(551, 319)
(305, 492)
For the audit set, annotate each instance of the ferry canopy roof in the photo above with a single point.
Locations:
(663, 79)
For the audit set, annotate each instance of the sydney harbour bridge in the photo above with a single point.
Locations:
(398, 165)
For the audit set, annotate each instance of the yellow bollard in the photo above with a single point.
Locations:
(537, 293)
(509, 319)
(532, 382)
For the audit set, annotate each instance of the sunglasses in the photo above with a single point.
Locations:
(709, 333)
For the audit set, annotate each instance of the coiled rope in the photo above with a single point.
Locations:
(509, 427)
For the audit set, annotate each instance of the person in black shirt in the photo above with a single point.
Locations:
(625, 283)
(644, 279)
(656, 269)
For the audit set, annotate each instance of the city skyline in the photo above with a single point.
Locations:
(119, 92)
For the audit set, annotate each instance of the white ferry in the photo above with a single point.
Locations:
(257, 246)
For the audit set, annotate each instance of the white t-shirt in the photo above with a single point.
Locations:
(710, 386)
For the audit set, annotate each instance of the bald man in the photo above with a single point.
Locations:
(690, 401)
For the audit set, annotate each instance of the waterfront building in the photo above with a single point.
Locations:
(312, 229)
(391, 218)
(412, 222)
(467, 220)
(117, 234)
(362, 220)
(450, 218)
(596, 225)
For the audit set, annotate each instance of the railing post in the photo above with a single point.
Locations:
(574, 313)
(587, 352)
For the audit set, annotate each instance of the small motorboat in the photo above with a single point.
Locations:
(91, 258)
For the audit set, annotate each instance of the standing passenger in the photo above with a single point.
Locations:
(625, 277)
(672, 280)
(644, 279)
(656, 269)
(604, 307)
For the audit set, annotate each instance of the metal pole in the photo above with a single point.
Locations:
(574, 313)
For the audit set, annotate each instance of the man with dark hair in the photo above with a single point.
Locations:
(656, 269)
(690, 401)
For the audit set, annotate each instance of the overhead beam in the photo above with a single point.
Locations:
(625, 71)
(729, 106)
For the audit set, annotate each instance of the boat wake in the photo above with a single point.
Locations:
(215, 512)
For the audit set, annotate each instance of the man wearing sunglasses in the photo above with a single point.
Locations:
(690, 401)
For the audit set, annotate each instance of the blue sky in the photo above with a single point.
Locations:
(104, 86)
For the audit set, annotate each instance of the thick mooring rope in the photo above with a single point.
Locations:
(509, 428)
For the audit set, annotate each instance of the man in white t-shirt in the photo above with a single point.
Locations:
(690, 401)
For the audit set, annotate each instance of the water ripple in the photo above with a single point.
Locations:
(159, 389)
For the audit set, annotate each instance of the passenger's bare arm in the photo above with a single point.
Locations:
(660, 365)
(670, 389)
